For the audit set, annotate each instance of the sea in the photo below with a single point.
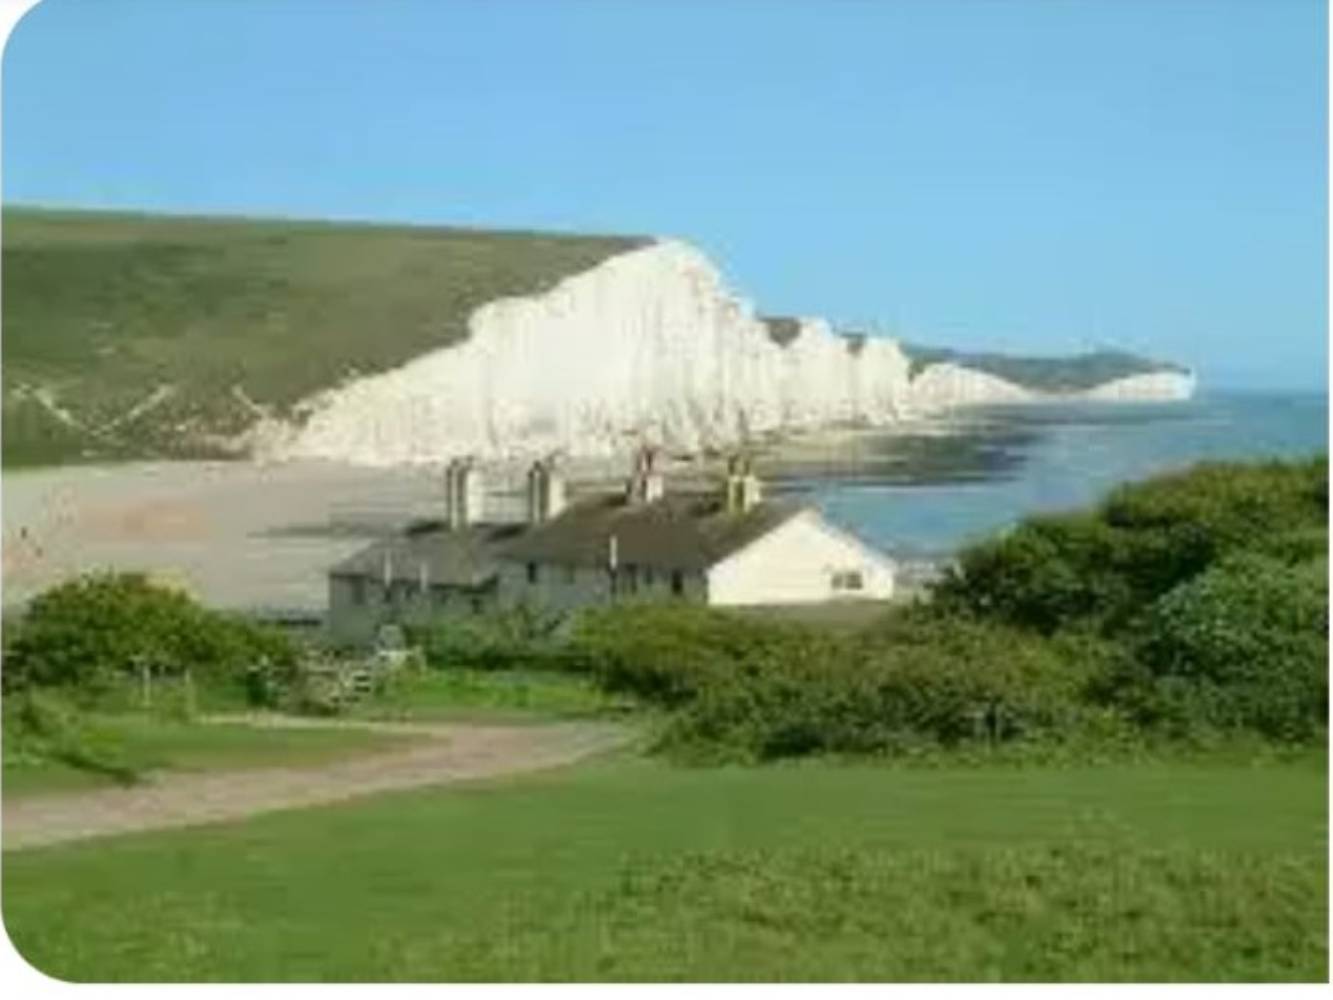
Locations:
(921, 497)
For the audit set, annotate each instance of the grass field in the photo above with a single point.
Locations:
(146, 743)
(461, 695)
(129, 336)
(630, 869)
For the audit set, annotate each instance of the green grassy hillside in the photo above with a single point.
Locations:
(136, 336)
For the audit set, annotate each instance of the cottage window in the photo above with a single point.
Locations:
(677, 582)
(850, 579)
(532, 572)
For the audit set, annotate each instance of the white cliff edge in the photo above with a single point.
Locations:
(1149, 387)
(649, 345)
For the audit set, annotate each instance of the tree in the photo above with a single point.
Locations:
(88, 633)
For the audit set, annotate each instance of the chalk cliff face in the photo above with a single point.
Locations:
(1151, 387)
(947, 385)
(648, 346)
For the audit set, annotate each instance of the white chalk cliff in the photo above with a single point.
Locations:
(649, 345)
(1148, 387)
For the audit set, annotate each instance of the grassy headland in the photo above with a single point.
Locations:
(143, 336)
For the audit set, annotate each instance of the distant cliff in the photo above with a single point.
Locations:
(651, 345)
(141, 336)
(1067, 374)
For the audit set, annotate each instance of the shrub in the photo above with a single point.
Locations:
(1105, 567)
(499, 640)
(925, 683)
(85, 635)
(1243, 646)
(1048, 572)
(754, 688)
(668, 653)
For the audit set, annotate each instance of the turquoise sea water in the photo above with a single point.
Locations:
(1059, 457)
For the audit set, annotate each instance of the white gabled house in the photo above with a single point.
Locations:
(723, 548)
(727, 548)
(804, 559)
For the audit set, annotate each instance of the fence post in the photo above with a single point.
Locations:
(189, 694)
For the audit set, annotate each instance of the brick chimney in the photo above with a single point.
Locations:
(742, 490)
(464, 493)
(546, 491)
(645, 483)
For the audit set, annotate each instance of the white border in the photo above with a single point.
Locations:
(19, 979)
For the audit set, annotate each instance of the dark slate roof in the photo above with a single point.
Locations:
(463, 558)
(679, 531)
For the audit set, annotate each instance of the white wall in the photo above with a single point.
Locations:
(796, 563)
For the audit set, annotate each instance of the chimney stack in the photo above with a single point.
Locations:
(742, 491)
(645, 483)
(464, 493)
(546, 491)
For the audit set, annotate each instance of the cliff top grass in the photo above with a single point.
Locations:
(149, 336)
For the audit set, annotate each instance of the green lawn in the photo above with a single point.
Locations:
(462, 695)
(631, 869)
(145, 742)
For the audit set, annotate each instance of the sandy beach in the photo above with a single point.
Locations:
(237, 535)
(257, 536)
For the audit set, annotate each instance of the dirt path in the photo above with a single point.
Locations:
(447, 753)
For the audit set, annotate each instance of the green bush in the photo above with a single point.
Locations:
(926, 684)
(499, 640)
(1242, 646)
(753, 688)
(1106, 566)
(668, 653)
(1049, 572)
(89, 634)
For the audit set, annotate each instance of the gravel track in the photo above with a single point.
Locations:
(444, 754)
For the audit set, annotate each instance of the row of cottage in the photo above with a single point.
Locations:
(722, 547)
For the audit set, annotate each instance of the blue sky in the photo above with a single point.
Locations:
(1033, 176)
